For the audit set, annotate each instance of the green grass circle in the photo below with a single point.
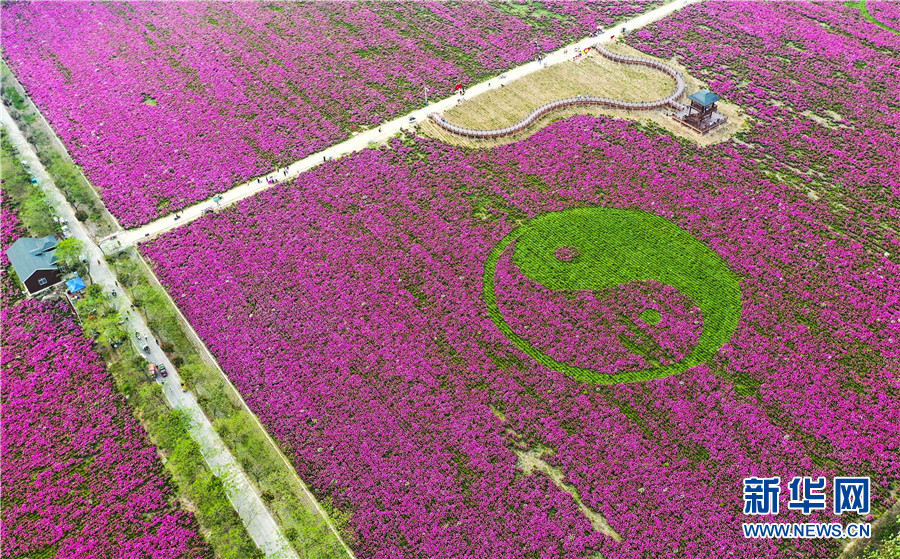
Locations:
(617, 247)
(651, 316)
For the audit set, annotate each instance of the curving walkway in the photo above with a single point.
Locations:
(124, 239)
(581, 100)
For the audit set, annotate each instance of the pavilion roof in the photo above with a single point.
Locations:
(704, 97)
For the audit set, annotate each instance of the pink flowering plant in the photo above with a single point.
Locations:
(348, 309)
(80, 478)
(886, 12)
(166, 103)
(10, 231)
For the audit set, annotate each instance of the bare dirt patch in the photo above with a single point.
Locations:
(531, 460)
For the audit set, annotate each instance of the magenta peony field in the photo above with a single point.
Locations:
(350, 310)
(164, 104)
(576, 345)
(79, 480)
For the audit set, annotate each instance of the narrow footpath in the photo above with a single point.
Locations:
(126, 239)
(256, 517)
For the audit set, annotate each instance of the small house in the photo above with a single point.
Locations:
(34, 261)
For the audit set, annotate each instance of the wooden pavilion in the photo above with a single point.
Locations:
(701, 115)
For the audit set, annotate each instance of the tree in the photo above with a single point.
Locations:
(93, 291)
(69, 252)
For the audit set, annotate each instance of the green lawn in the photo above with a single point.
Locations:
(615, 247)
(861, 6)
(22, 195)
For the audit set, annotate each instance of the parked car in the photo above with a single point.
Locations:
(412, 119)
(151, 369)
(162, 371)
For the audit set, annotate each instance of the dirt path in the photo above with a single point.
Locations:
(531, 460)
(256, 517)
(361, 141)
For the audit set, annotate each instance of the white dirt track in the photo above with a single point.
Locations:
(125, 239)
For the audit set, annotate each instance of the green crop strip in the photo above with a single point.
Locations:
(610, 247)
(861, 6)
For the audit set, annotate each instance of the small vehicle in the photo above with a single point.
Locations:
(207, 211)
(146, 349)
(412, 119)
(183, 387)
(151, 369)
(162, 371)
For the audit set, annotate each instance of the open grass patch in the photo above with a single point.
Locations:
(600, 248)
(25, 197)
(590, 75)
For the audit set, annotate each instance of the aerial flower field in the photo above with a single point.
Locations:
(821, 84)
(165, 104)
(79, 479)
(349, 310)
(415, 323)
(576, 345)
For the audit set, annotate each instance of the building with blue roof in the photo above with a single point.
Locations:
(34, 260)
(701, 114)
(704, 97)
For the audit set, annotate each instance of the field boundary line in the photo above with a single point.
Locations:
(211, 360)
